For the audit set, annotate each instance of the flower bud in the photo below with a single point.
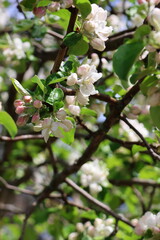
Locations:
(37, 104)
(27, 99)
(98, 44)
(91, 231)
(89, 26)
(72, 79)
(53, 7)
(18, 103)
(75, 110)
(20, 109)
(39, 12)
(80, 227)
(35, 118)
(22, 120)
(38, 127)
(70, 100)
(73, 236)
(67, 3)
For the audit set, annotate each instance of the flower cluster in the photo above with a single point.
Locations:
(148, 221)
(94, 175)
(16, 50)
(55, 124)
(94, 27)
(84, 80)
(154, 20)
(100, 228)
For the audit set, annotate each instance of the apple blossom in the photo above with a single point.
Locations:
(37, 104)
(61, 114)
(39, 12)
(27, 99)
(35, 118)
(94, 27)
(72, 79)
(154, 39)
(22, 120)
(75, 110)
(20, 109)
(154, 18)
(18, 102)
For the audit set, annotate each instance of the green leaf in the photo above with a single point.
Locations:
(68, 136)
(148, 82)
(36, 79)
(84, 7)
(28, 4)
(88, 112)
(55, 78)
(23, 25)
(7, 121)
(54, 95)
(43, 3)
(20, 89)
(80, 48)
(72, 38)
(137, 148)
(155, 115)
(125, 57)
(142, 31)
(64, 15)
(150, 172)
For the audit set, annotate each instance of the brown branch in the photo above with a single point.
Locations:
(14, 188)
(135, 181)
(63, 49)
(97, 203)
(21, 138)
(140, 198)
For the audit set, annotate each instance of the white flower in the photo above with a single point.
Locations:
(154, 18)
(72, 79)
(94, 175)
(66, 3)
(70, 100)
(147, 221)
(61, 114)
(50, 126)
(95, 27)
(154, 39)
(88, 76)
(75, 110)
(82, 100)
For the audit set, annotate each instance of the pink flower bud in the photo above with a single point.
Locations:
(35, 118)
(20, 109)
(22, 120)
(18, 103)
(27, 99)
(37, 104)
(39, 12)
(55, 6)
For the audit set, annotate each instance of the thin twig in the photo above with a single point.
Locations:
(96, 202)
(11, 187)
(154, 155)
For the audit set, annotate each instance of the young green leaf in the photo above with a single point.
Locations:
(36, 79)
(80, 48)
(20, 89)
(54, 95)
(7, 121)
(88, 112)
(43, 3)
(84, 7)
(125, 57)
(72, 38)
